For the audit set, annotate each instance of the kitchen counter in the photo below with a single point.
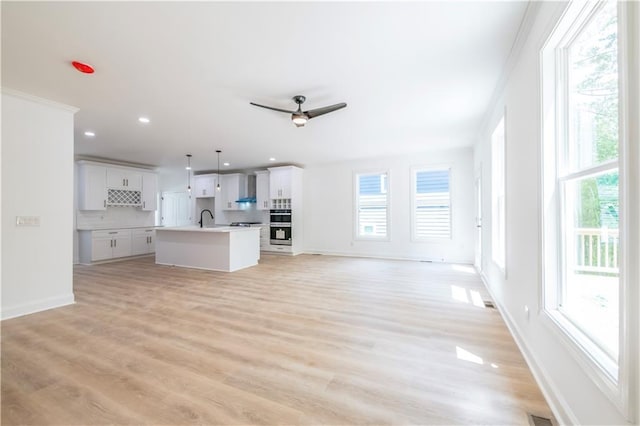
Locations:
(108, 228)
(216, 228)
(218, 248)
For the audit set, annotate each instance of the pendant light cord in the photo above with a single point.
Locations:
(218, 185)
(189, 173)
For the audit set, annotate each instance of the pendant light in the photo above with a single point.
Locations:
(218, 186)
(188, 173)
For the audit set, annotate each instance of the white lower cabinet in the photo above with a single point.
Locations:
(264, 238)
(95, 246)
(108, 244)
(280, 249)
(143, 241)
(101, 249)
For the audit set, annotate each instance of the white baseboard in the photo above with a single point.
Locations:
(372, 256)
(36, 306)
(561, 410)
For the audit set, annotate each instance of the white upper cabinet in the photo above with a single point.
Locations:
(149, 191)
(280, 182)
(233, 187)
(101, 185)
(92, 187)
(262, 190)
(124, 179)
(204, 186)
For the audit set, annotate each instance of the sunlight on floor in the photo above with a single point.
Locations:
(465, 355)
(461, 294)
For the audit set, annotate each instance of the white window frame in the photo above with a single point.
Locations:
(414, 172)
(356, 205)
(499, 192)
(613, 380)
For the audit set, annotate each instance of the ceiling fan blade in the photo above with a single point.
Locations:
(324, 110)
(275, 109)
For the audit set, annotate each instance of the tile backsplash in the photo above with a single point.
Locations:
(114, 217)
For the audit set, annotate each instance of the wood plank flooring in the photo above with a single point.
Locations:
(294, 340)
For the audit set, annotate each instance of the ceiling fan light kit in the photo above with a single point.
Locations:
(300, 117)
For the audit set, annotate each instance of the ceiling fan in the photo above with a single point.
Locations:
(300, 117)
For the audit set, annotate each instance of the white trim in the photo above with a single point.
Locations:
(107, 162)
(517, 47)
(553, 174)
(596, 170)
(477, 180)
(37, 306)
(633, 165)
(386, 257)
(628, 276)
(36, 99)
(559, 407)
(573, 344)
(501, 122)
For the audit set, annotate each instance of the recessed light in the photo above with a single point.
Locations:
(90, 134)
(144, 120)
(188, 168)
(272, 159)
(225, 164)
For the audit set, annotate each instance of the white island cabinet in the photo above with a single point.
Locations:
(224, 248)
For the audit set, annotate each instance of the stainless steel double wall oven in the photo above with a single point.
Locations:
(280, 225)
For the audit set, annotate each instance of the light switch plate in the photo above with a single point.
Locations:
(27, 220)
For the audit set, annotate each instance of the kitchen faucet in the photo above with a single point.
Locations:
(205, 210)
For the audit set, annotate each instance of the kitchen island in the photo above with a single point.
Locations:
(221, 248)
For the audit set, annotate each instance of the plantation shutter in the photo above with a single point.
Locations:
(432, 204)
(372, 205)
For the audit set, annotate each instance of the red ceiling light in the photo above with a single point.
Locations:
(87, 69)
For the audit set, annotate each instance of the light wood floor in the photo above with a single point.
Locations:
(302, 340)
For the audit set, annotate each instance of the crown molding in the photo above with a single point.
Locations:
(36, 99)
(529, 18)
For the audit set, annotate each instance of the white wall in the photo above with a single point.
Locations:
(329, 208)
(37, 180)
(573, 396)
(171, 180)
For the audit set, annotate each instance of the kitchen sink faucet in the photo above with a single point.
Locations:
(205, 210)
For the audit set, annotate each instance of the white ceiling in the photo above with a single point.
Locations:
(415, 76)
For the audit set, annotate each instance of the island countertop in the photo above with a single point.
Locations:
(218, 228)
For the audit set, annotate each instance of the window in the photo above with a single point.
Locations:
(582, 204)
(498, 237)
(372, 205)
(431, 204)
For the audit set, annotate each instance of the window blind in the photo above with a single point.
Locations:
(432, 204)
(372, 206)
